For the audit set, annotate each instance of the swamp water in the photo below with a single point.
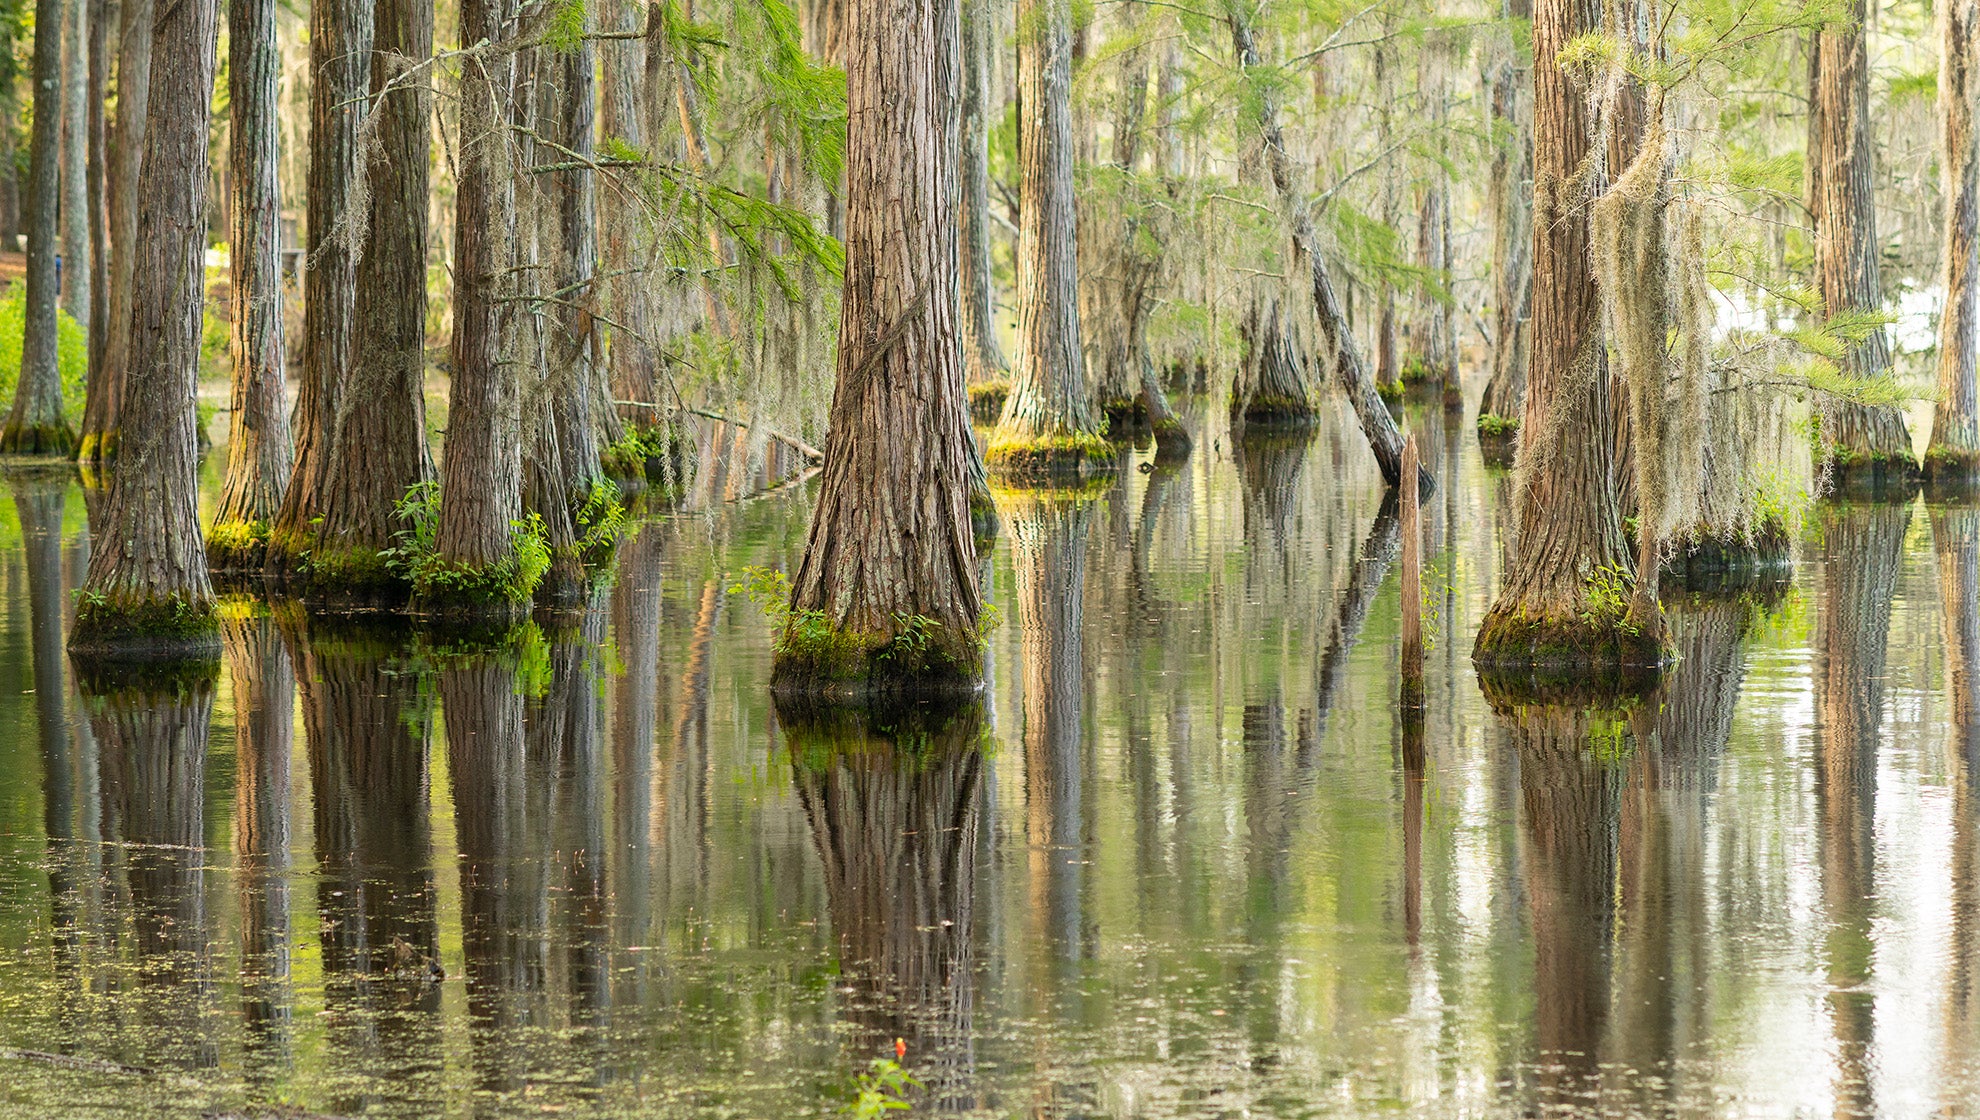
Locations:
(1181, 861)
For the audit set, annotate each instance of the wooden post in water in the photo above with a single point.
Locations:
(1412, 583)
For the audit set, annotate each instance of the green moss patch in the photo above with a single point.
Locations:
(1596, 650)
(144, 627)
(1269, 411)
(1059, 457)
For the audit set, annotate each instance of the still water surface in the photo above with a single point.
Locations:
(1182, 861)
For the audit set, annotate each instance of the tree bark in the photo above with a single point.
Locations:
(1868, 442)
(340, 56)
(1570, 532)
(1511, 207)
(147, 592)
(98, 167)
(75, 160)
(1955, 449)
(35, 425)
(891, 537)
(983, 355)
(377, 427)
(103, 399)
(481, 468)
(629, 356)
(258, 423)
(1048, 427)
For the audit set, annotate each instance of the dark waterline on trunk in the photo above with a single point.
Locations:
(1202, 869)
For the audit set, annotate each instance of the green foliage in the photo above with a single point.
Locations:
(883, 1088)
(1493, 426)
(1606, 593)
(71, 348)
(566, 27)
(601, 523)
(415, 557)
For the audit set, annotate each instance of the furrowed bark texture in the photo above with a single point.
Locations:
(75, 160)
(147, 589)
(1844, 206)
(983, 355)
(891, 535)
(37, 411)
(1956, 419)
(377, 425)
(340, 33)
(99, 219)
(621, 116)
(1511, 207)
(102, 400)
(1570, 525)
(481, 471)
(258, 425)
(1048, 398)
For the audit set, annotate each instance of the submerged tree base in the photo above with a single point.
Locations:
(38, 439)
(1875, 476)
(1951, 471)
(1172, 441)
(1269, 411)
(1049, 458)
(1518, 652)
(816, 660)
(237, 548)
(354, 580)
(1125, 416)
(986, 400)
(97, 447)
(1703, 560)
(139, 628)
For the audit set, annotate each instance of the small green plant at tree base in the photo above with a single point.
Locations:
(601, 523)
(1608, 590)
(416, 559)
(1493, 426)
(883, 1088)
(812, 634)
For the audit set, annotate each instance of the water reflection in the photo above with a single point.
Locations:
(264, 683)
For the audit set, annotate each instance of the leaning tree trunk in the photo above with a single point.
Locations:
(1511, 207)
(1570, 533)
(75, 160)
(1432, 356)
(377, 450)
(481, 467)
(1048, 427)
(103, 398)
(891, 536)
(147, 593)
(36, 426)
(1336, 343)
(1955, 450)
(258, 424)
(340, 34)
(1867, 442)
(983, 356)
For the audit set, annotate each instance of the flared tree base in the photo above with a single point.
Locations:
(355, 580)
(1707, 562)
(986, 400)
(97, 448)
(818, 662)
(1951, 471)
(1517, 652)
(1267, 411)
(1172, 441)
(1876, 477)
(237, 548)
(38, 439)
(1047, 460)
(139, 629)
(1126, 417)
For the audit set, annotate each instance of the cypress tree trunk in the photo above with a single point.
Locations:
(1511, 206)
(340, 34)
(1570, 537)
(147, 593)
(481, 467)
(891, 536)
(103, 399)
(983, 356)
(258, 425)
(377, 449)
(1869, 443)
(35, 425)
(75, 161)
(99, 219)
(1955, 449)
(629, 358)
(1432, 355)
(1048, 427)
